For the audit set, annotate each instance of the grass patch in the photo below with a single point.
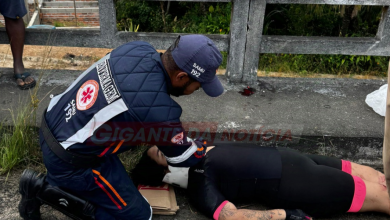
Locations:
(19, 142)
(68, 24)
(131, 158)
(306, 65)
(224, 60)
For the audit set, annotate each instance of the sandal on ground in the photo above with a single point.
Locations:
(23, 77)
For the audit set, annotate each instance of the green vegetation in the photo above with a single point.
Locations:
(326, 64)
(322, 20)
(176, 17)
(58, 24)
(131, 158)
(127, 25)
(295, 20)
(68, 24)
(19, 141)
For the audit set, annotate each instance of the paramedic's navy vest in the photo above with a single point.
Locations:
(128, 85)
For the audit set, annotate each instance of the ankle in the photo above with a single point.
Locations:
(18, 68)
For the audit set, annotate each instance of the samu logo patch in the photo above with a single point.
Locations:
(87, 95)
(178, 139)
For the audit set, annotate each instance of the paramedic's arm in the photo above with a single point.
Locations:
(177, 147)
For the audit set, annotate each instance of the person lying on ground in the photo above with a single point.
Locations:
(279, 178)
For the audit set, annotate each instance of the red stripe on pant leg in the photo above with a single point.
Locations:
(346, 166)
(108, 194)
(105, 150)
(359, 195)
(109, 186)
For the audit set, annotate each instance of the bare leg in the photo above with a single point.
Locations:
(377, 198)
(369, 174)
(16, 32)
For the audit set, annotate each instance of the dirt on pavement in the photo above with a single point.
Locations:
(49, 57)
(10, 197)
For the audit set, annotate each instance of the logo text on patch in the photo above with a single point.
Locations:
(70, 110)
(109, 88)
(197, 71)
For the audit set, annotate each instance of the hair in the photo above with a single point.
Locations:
(169, 63)
(148, 172)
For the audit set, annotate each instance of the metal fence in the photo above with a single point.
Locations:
(244, 43)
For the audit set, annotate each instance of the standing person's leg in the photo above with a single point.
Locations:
(13, 11)
(16, 33)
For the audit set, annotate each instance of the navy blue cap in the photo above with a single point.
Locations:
(198, 56)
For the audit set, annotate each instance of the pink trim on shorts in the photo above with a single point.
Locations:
(359, 195)
(346, 166)
(219, 209)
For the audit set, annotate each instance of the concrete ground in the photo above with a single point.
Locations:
(323, 116)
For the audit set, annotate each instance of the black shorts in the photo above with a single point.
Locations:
(14, 9)
(316, 184)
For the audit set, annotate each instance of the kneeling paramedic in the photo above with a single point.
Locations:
(128, 89)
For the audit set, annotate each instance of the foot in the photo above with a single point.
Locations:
(29, 185)
(24, 80)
